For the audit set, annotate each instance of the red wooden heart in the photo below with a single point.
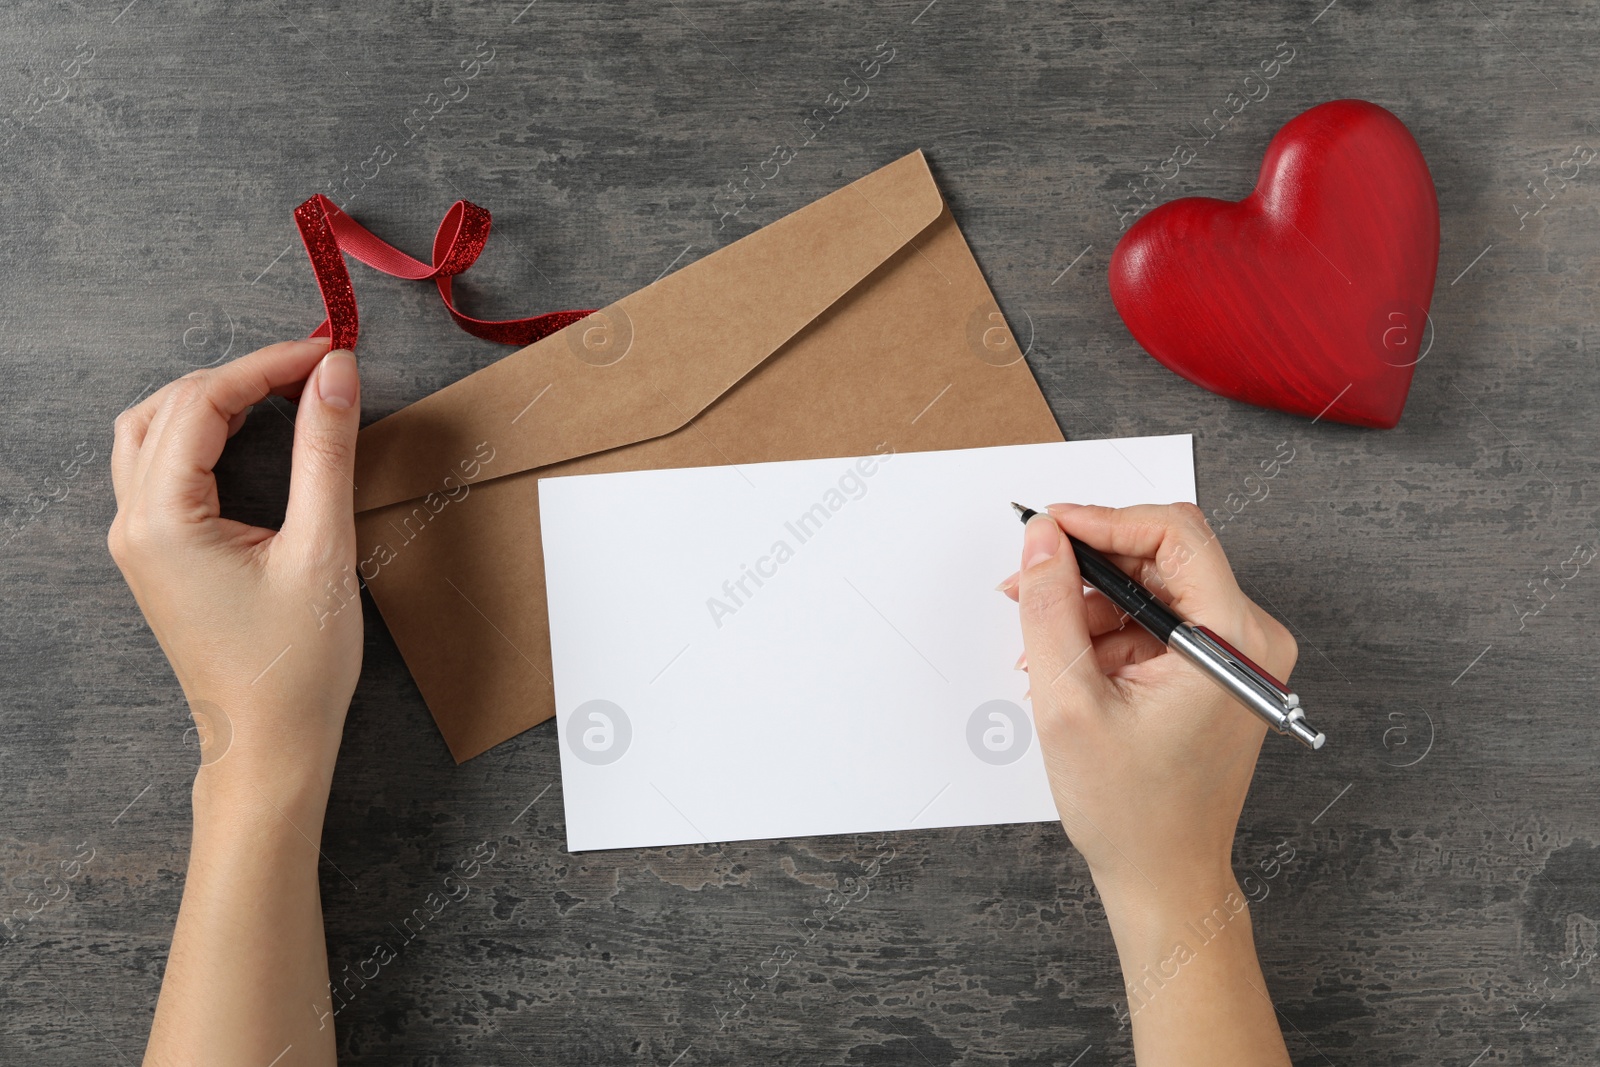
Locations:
(1311, 294)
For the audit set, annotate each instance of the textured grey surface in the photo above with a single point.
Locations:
(1442, 904)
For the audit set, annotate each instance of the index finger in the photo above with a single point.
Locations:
(186, 434)
(139, 416)
(1185, 559)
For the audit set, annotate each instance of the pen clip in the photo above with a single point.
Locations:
(1259, 679)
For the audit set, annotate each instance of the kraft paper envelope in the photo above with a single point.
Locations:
(858, 322)
(809, 647)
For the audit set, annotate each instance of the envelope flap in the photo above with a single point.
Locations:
(652, 361)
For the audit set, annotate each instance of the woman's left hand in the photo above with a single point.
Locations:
(263, 628)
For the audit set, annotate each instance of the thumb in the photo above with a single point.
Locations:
(1055, 627)
(320, 515)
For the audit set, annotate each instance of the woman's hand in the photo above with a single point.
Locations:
(264, 632)
(263, 629)
(1149, 762)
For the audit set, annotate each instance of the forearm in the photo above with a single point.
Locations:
(247, 978)
(1196, 995)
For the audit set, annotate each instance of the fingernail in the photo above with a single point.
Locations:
(1022, 662)
(1009, 584)
(323, 341)
(338, 382)
(1041, 540)
(1062, 509)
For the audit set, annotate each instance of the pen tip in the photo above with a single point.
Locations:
(1019, 507)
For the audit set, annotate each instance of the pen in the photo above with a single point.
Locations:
(1247, 683)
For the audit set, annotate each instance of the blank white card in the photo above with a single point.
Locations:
(808, 647)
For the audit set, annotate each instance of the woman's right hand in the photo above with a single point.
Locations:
(1149, 761)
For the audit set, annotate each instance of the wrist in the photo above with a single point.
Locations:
(264, 753)
(1147, 920)
(1189, 966)
(261, 799)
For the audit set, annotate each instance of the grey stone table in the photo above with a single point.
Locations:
(1442, 899)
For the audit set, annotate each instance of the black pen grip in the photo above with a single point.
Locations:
(1127, 594)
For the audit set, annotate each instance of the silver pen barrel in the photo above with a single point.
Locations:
(1249, 684)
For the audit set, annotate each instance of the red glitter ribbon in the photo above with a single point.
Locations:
(329, 234)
